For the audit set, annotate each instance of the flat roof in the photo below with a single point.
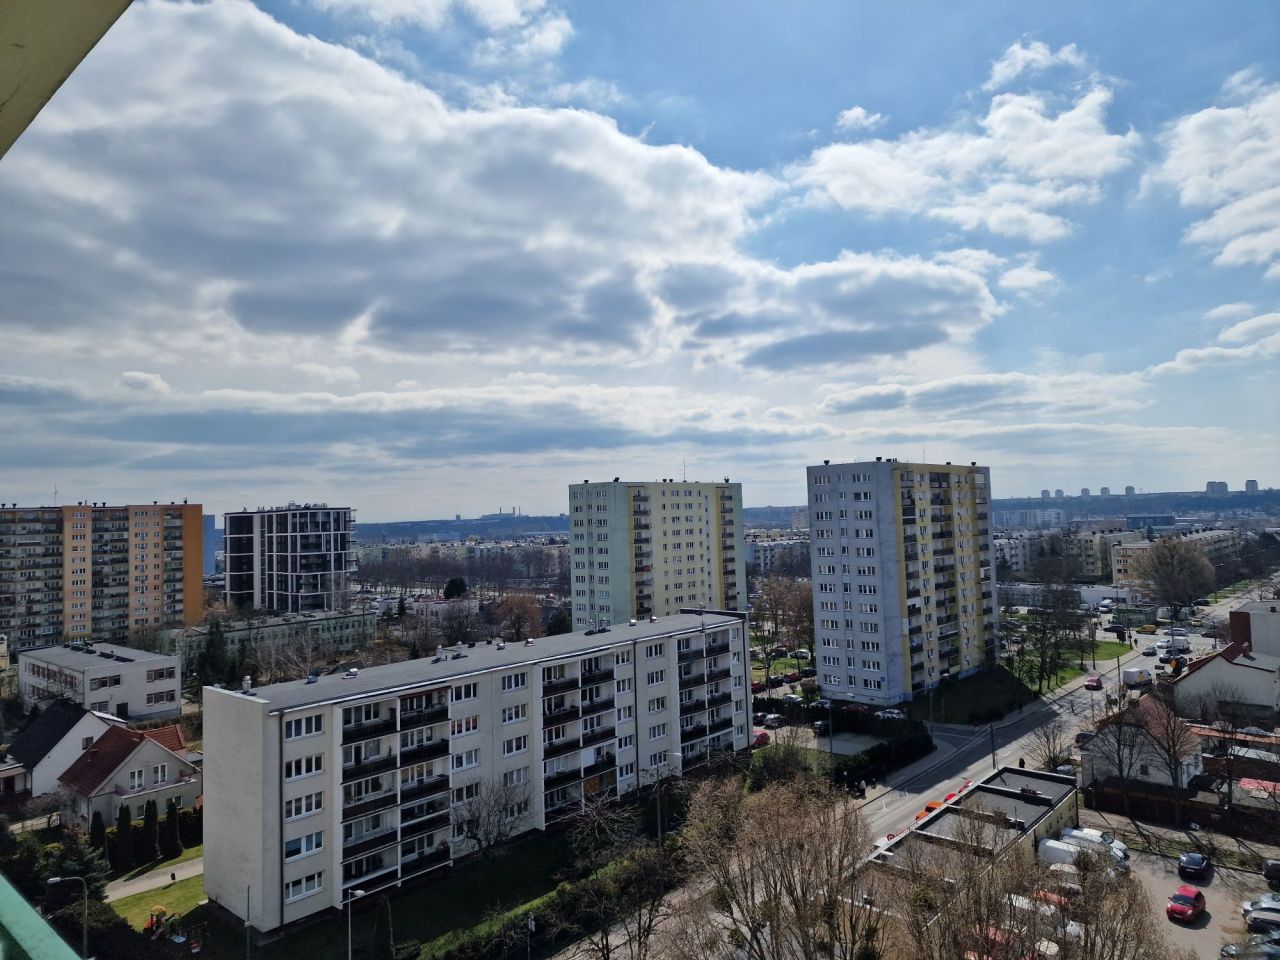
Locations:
(78, 656)
(1055, 786)
(1259, 606)
(955, 825)
(462, 661)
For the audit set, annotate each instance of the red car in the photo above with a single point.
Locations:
(761, 739)
(757, 686)
(1093, 682)
(793, 677)
(1186, 904)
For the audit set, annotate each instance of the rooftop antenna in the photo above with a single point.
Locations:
(55, 494)
(684, 471)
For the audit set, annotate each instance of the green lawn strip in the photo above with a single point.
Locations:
(191, 853)
(777, 667)
(178, 898)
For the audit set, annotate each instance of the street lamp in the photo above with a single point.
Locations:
(351, 896)
(84, 926)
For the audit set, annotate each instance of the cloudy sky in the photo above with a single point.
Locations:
(438, 256)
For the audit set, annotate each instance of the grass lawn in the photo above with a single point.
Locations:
(180, 898)
(777, 667)
(191, 853)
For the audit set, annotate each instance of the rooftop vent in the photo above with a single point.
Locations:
(501, 645)
(528, 643)
(312, 678)
(633, 621)
(246, 683)
(351, 674)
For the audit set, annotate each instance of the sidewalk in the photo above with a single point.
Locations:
(154, 880)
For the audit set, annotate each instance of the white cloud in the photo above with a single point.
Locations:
(857, 118)
(1034, 57)
(434, 14)
(1227, 159)
(140, 382)
(328, 374)
(539, 39)
(1196, 358)
(1026, 278)
(1226, 311)
(1009, 172)
(1252, 329)
(969, 258)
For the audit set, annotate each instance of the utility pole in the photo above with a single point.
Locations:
(992, 728)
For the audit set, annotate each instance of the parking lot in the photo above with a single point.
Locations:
(1223, 891)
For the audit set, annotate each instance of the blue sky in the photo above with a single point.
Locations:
(437, 256)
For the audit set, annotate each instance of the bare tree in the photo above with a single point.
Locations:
(458, 625)
(1175, 571)
(492, 815)
(520, 617)
(1174, 742)
(1050, 747)
(1118, 748)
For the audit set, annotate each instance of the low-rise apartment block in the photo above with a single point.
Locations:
(1217, 546)
(317, 788)
(339, 630)
(128, 683)
(97, 572)
(903, 576)
(642, 549)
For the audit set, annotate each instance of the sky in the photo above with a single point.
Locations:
(426, 257)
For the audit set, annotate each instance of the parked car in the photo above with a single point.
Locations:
(1203, 602)
(1195, 865)
(1093, 681)
(1119, 629)
(806, 672)
(1260, 946)
(929, 807)
(1263, 921)
(1177, 631)
(1268, 901)
(793, 698)
(761, 739)
(792, 677)
(758, 717)
(822, 703)
(891, 713)
(757, 686)
(821, 728)
(773, 721)
(1186, 904)
(775, 682)
(1149, 651)
(1147, 628)
(860, 708)
(802, 655)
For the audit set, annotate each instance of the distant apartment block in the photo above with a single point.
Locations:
(339, 630)
(643, 549)
(1217, 546)
(103, 677)
(97, 572)
(365, 781)
(903, 578)
(292, 559)
(1216, 488)
(766, 554)
(1251, 486)
(1029, 519)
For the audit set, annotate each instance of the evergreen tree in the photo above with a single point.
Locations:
(383, 945)
(98, 833)
(170, 840)
(20, 866)
(212, 662)
(8, 843)
(73, 857)
(148, 842)
(122, 859)
(456, 587)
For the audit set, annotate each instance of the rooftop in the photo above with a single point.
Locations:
(1258, 607)
(79, 656)
(458, 662)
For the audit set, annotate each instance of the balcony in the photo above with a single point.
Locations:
(418, 789)
(689, 656)
(368, 805)
(598, 736)
(564, 685)
(714, 675)
(426, 751)
(422, 718)
(716, 726)
(367, 768)
(590, 707)
(367, 844)
(591, 677)
(692, 706)
(719, 699)
(561, 779)
(693, 680)
(428, 861)
(434, 820)
(367, 731)
(915, 631)
(606, 764)
(695, 732)
(559, 748)
(715, 649)
(560, 714)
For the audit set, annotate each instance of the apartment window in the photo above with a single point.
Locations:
(303, 767)
(464, 691)
(304, 726)
(514, 713)
(514, 778)
(658, 759)
(137, 779)
(463, 794)
(627, 770)
(627, 742)
(515, 745)
(872, 684)
(621, 657)
(365, 713)
(657, 731)
(303, 806)
(463, 761)
(160, 773)
(517, 809)
(304, 846)
(513, 681)
(417, 737)
(657, 704)
(831, 679)
(304, 887)
(163, 673)
(162, 696)
(655, 650)
(654, 677)
(625, 713)
(623, 685)
(464, 725)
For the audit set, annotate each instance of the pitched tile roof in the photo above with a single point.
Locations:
(44, 732)
(170, 737)
(101, 760)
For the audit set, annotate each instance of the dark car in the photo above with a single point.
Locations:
(808, 672)
(758, 717)
(776, 681)
(821, 727)
(1271, 872)
(773, 721)
(1118, 629)
(1263, 921)
(793, 677)
(1195, 865)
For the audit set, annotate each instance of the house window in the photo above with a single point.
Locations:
(461, 761)
(137, 779)
(513, 778)
(304, 726)
(160, 773)
(515, 745)
(621, 657)
(657, 704)
(86, 743)
(304, 887)
(658, 759)
(1144, 770)
(655, 650)
(464, 725)
(365, 713)
(464, 691)
(625, 713)
(657, 731)
(654, 677)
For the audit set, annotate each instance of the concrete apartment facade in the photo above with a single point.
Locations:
(341, 630)
(315, 789)
(292, 559)
(903, 577)
(1217, 545)
(127, 683)
(641, 549)
(97, 572)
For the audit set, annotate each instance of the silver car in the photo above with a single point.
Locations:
(1267, 901)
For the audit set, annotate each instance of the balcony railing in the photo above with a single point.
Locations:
(692, 706)
(602, 735)
(561, 714)
(715, 726)
(604, 765)
(695, 732)
(369, 805)
(432, 821)
(717, 648)
(369, 729)
(561, 779)
(367, 768)
(591, 677)
(688, 656)
(417, 789)
(559, 686)
(420, 718)
(425, 751)
(714, 675)
(365, 845)
(719, 699)
(590, 707)
(427, 861)
(693, 680)
(561, 747)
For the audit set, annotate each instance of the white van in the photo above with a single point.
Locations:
(1097, 846)
(1055, 851)
(1097, 836)
(1041, 916)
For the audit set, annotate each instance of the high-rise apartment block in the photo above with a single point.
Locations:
(95, 572)
(290, 559)
(315, 789)
(903, 576)
(643, 549)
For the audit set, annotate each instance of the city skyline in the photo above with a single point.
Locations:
(426, 258)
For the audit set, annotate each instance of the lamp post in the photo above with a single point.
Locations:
(352, 895)
(84, 925)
